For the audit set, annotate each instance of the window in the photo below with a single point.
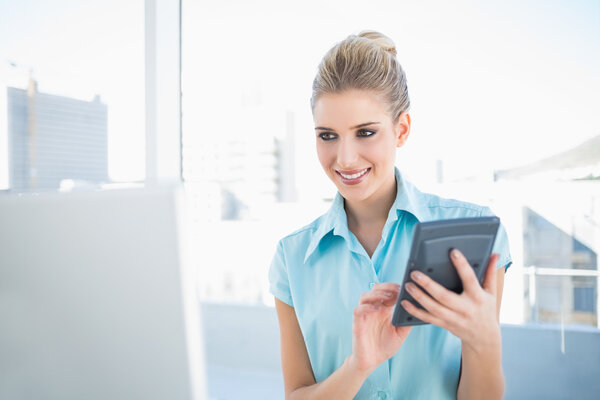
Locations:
(584, 297)
(485, 128)
(71, 100)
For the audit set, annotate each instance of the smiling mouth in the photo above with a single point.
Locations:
(353, 176)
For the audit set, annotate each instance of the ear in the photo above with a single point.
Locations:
(402, 129)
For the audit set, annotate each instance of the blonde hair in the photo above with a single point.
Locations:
(366, 61)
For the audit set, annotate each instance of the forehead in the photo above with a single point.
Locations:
(347, 109)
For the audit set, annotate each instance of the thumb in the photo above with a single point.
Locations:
(489, 280)
(403, 331)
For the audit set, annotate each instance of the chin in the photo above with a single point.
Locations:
(353, 194)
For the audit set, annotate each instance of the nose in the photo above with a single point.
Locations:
(347, 154)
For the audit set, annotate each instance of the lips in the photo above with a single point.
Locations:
(354, 176)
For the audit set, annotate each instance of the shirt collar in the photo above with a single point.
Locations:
(408, 198)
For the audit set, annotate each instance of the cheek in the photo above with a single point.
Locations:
(380, 152)
(325, 153)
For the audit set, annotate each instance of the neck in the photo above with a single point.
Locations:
(373, 210)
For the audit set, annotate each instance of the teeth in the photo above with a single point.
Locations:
(354, 176)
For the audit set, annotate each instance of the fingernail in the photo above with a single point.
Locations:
(388, 294)
(410, 287)
(405, 303)
(417, 276)
(455, 254)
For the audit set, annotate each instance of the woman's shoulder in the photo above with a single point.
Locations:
(298, 244)
(304, 234)
(439, 204)
(434, 206)
(428, 206)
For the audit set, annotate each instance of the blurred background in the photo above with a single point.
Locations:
(504, 104)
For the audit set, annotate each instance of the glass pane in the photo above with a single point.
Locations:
(71, 100)
(504, 109)
(563, 300)
(249, 157)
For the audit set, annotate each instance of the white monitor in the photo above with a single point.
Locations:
(97, 299)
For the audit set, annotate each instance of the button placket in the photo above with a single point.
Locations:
(374, 278)
(366, 264)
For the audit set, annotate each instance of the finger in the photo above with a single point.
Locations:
(393, 290)
(465, 271)
(379, 297)
(389, 286)
(444, 296)
(489, 280)
(390, 297)
(363, 310)
(423, 315)
(390, 290)
(430, 304)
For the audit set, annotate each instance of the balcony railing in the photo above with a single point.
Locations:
(562, 295)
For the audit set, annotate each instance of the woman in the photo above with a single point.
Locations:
(335, 281)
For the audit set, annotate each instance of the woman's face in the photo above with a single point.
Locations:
(356, 143)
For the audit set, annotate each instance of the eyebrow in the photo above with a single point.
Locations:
(354, 127)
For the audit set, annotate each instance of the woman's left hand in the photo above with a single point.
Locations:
(471, 315)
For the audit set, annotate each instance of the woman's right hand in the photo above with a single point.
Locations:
(374, 338)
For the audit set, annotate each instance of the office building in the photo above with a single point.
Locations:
(560, 202)
(54, 139)
(248, 160)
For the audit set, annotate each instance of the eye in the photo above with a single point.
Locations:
(365, 133)
(327, 136)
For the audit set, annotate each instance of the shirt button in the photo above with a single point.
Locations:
(382, 395)
(371, 284)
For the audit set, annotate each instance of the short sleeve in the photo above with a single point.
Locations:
(279, 283)
(501, 246)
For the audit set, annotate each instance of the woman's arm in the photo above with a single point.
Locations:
(472, 316)
(374, 340)
(298, 378)
(481, 374)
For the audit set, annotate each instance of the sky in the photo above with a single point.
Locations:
(493, 84)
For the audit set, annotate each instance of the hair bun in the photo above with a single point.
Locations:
(380, 39)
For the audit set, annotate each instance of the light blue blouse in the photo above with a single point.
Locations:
(321, 270)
